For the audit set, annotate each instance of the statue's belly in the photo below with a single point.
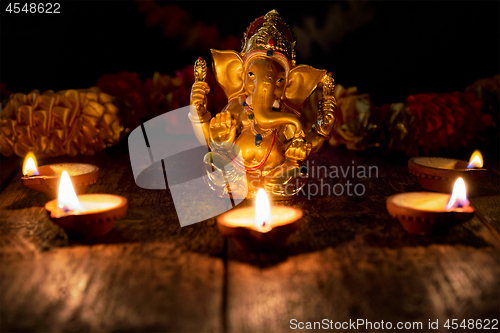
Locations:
(253, 155)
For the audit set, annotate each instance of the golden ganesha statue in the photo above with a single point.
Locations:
(262, 122)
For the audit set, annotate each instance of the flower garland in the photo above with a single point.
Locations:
(88, 120)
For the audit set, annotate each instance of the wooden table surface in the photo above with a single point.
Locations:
(349, 260)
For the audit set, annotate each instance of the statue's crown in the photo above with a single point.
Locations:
(270, 32)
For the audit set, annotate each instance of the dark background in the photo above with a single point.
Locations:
(388, 49)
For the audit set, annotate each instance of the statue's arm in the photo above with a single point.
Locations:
(199, 91)
(320, 131)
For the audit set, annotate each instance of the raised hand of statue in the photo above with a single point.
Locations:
(223, 128)
(327, 108)
(326, 116)
(299, 149)
(200, 88)
(199, 93)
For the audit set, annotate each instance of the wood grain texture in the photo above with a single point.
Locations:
(120, 287)
(349, 260)
(147, 274)
(487, 200)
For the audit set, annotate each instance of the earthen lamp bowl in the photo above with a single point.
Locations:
(411, 211)
(439, 174)
(90, 223)
(251, 239)
(48, 179)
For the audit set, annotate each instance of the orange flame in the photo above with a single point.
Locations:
(476, 160)
(30, 167)
(262, 211)
(67, 199)
(459, 196)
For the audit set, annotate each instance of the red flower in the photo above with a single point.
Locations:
(128, 87)
(444, 121)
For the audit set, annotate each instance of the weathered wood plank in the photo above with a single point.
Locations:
(359, 282)
(351, 260)
(154, 286)
(147, 274)
(486, 200)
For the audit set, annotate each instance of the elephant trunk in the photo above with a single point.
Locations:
(262, 102)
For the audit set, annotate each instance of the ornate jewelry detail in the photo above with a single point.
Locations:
(200, 70)
(271, 34)
(258, 140)
(255, 167)
(326, 109)
(246, 107)
(249, 110)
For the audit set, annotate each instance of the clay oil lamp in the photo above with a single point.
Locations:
(261, 227)
(425, 212)
(46, 178)
(86, 214)
(439, 174)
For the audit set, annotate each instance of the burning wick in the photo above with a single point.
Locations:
(476, 160)
(30, 167)
(262, 211)
(459, 196)
(64, 208)
(67, 199)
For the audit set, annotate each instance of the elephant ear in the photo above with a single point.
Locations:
(302, 80)
(228, 68)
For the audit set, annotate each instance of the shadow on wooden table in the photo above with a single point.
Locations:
(330, 221)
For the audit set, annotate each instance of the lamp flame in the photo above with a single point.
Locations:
(476, 160)
(30, 167)
(459, 196)
(262, 211)
(67, 199)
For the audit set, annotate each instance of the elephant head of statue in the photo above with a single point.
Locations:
(266, 74)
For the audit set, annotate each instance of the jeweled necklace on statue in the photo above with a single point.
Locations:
(259, 136)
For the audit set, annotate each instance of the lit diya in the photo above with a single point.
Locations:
(438, 173)
(424, 212)
(87, 214)
(262, 226)
(46, 178)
